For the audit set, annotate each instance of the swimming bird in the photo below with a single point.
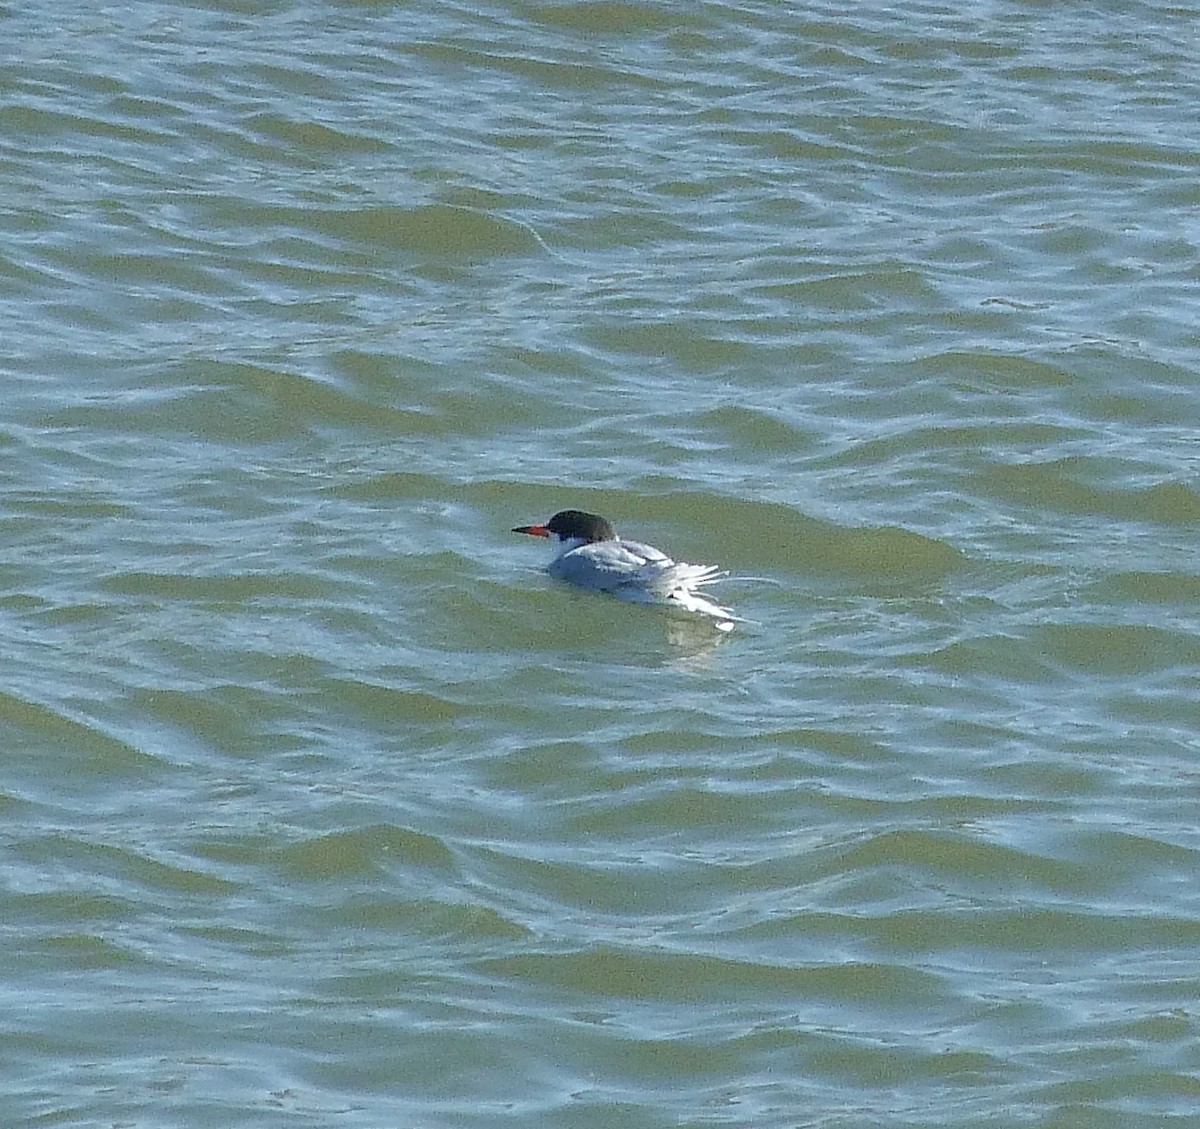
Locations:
(591, 555)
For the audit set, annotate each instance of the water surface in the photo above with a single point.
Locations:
(324, 806)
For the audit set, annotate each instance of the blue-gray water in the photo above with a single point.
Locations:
(322, 806)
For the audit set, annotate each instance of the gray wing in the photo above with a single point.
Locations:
(607, 565)
(610, 566)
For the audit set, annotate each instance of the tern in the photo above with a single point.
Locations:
(591, 555)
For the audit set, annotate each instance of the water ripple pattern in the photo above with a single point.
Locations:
(324, 806)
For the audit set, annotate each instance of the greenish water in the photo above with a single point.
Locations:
(324, 806)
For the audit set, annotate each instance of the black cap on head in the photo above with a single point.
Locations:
(567, 524)
(571, 525)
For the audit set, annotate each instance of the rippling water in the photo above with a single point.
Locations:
(324, 806)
